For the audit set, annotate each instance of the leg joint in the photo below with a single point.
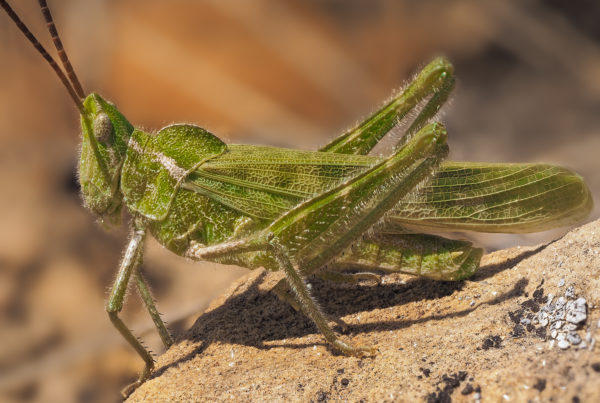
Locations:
(112, 308)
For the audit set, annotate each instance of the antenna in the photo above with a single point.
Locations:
(38, 46)
(60, 49)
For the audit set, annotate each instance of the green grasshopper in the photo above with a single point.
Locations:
(337, 213)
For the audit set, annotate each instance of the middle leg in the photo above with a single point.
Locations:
(319, 229)
(300, 297)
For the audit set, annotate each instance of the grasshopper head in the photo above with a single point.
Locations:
(105, 133)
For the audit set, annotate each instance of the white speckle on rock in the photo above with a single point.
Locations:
(577, 312)
(570, 293)
(569, 305)
(563, 317)
(561, 282)
(569, 327)
(573, 338)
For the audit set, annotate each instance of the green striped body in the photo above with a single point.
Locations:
(195, 190)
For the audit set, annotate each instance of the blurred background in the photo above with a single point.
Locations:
(292, 73)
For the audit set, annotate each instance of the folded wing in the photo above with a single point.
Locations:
(513, 198)
(265, 182)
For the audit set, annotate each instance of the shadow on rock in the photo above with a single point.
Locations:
(491, 270)
(252, 316)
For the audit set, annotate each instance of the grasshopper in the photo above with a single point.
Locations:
(337, 213)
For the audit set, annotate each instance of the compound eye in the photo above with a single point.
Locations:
(103, 128)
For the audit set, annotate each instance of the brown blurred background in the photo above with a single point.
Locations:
(291, 73)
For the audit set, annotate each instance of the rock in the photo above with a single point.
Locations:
(419, 326)
(577, 312)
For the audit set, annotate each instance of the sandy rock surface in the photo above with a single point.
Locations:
(492, 338)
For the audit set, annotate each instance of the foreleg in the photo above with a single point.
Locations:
(150, 305)
(114, 305)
